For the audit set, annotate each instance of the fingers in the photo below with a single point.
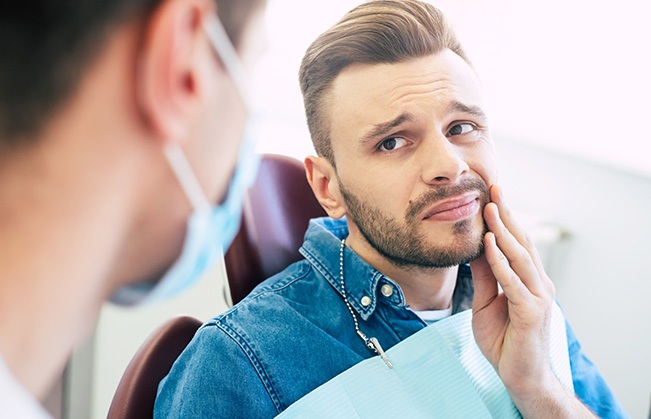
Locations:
(514, 226)
(484, 283)
(509, 257)
(512, 285)
(516, 244)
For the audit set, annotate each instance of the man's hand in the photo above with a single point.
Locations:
(512, 327)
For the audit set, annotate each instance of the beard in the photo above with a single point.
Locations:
(401, 242)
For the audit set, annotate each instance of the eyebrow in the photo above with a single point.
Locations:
(384, 128)
(456, 106)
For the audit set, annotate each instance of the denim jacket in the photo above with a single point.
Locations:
(294, 333)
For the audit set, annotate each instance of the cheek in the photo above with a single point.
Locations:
(217, 142)
(380, 187)
(482, 161)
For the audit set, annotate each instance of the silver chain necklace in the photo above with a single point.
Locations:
(372, 343)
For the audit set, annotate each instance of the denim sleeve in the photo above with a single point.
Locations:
(213, 378)
(589, 386)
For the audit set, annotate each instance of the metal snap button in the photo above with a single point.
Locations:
(387, 290)
(366, 301)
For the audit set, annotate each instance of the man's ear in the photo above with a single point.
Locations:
(321, 176)
(172, 67)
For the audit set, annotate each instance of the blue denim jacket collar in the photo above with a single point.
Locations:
(322, 247)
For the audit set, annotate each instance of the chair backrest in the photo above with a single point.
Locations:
(136, 393)
(276, 213)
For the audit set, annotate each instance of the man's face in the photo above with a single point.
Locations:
(414, 158)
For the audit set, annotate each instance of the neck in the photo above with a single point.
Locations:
(55, 252)
(66, 204)
(423, 288)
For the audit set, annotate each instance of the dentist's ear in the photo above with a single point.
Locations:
(323, 181)
(174, 64)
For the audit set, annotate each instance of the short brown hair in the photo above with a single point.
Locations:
(380, 31)
(46, 46)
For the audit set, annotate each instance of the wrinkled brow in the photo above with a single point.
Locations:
(384, 128)
(477, 111)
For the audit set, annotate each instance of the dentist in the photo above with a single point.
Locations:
(123, 161)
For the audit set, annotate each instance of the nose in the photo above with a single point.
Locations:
(442, 162)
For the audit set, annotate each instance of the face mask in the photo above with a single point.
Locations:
(210, 229)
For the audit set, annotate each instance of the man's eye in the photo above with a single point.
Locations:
(392, 143)
(463, 128)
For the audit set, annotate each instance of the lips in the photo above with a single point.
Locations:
(454, 208)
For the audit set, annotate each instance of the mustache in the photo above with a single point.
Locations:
(439, 193)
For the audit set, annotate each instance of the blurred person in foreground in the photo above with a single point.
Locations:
(121, 122)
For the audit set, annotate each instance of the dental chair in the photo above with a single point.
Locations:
(275, 217)
(136, 393)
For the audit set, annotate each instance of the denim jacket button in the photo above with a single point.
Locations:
(387, 290)
(366, 301)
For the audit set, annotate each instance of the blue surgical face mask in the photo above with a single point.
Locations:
(210, 229)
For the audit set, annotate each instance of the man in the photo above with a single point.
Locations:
(120, 125)
(406, 172)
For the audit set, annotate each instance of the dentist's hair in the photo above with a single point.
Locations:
(46, 46)
(380, 31)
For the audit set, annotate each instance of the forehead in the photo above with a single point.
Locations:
(367, 94)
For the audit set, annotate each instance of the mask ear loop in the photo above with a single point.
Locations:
(229, 57)
(186, 177)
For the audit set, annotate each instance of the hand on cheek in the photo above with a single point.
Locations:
(511, 326)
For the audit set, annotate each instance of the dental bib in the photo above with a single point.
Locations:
(439, 372)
